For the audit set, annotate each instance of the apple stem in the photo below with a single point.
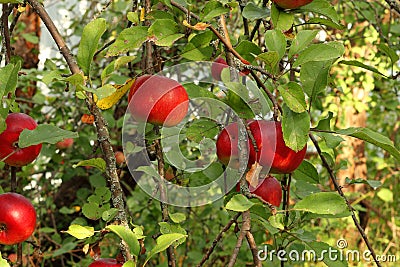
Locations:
(13, 179)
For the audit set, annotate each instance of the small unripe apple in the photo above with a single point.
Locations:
(105, 262)
(13, 257)
(269, 189)
(119, 157)
(17, 218)
(291, 4)
(158, 100)
(9, 150)
(66, 143)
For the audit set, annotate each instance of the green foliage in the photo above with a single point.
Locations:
(318, 61)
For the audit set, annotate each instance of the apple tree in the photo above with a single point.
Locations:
(201, 133)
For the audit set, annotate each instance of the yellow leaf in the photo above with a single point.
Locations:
(200, 26)
(112, 99)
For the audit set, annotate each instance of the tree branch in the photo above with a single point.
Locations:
(340, 191)
(217, 239)
(103, 134)
(6, 33)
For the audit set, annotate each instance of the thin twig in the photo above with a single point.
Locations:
(253, 247)
(340, 191)
(6, 33)
(217, 239)
(243, 232)
(276, 107)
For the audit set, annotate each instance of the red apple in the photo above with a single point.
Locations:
(105, 263)
(216, 68)
(227, 147)
(158, 100)
(17, 218)
(291, 4)
(9, 150)
(66, 143)
(219, 64)
(271, 149)
(119, 157)
(269, 189)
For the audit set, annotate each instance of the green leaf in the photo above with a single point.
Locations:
(164, 32)
(361, 65)
(280, 19)
(248, 50)
(44, 133)
(196, 91)
(275, 40)
(128, 236)
(115, 65)
(104, 91)
(66, 248)
(79, 231)
(4, 263)
(104, 193)
(108, 215)
(252, 11)
(326, 22)
(320, 52)
(293, 96)
(177, 217)
(271, 60)
(98, 163)
(295, 128)
(372, 137)
(322, 203)
(301, 41)
(76, 79)
(129, 263)
(314, 77)
(92, 211)
(239, 203)
(200, 129)
(91, 35)
(9, 78)
(385, 194)
(373, 183)
(213, 9)
(167, 228)
(128, 39)
(306, 172)
(198, 47)
(390, 52)
(163, 242)
(322, 7)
